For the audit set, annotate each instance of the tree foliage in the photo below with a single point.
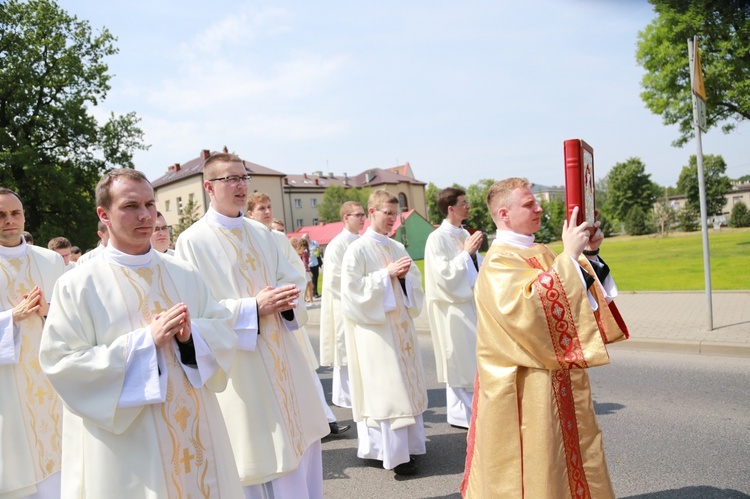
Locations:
(637, 222)
(187, 218)
(740, 216)
(479, 215)
(329, 210)
(664, 217)
(723, 29)
(52, 149)
(628, 185)
(717, 184)
(687, 219)
(433, 213)
(553, 218)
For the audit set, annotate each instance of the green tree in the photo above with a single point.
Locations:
(740, 216)
(687, 219)
(188, 217)
(52, 149)
(724, 45)
(628, 185)
(479, 216)
(637, 222)
(329, 210)
(664, 216)
(553, 218)
(717, 184)
(431, 195)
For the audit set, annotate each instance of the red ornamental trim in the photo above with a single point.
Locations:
(560, 323)
(579, 487)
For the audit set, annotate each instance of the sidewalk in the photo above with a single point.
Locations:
(669, 322)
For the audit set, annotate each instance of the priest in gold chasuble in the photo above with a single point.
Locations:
(271, 405)
(137, 347)
(543, 319)
(30, 410)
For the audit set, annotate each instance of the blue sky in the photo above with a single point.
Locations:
(461, 90)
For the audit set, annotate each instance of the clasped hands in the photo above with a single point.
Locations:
(399, 268)
(174, 323)
(576, 238)
(32, 303)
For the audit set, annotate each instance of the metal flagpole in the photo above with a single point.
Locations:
(699, 117)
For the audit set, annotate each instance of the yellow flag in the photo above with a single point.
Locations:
(698, 88)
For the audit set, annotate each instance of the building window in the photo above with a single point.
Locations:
(402, 202)
(179, 206)
(166, 205)
(736, 199)
(313, 203)
(315, 221)
(298, 203)
(300, 222)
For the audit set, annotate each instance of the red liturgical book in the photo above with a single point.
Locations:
(579, 180)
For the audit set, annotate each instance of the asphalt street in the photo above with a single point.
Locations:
(674, 425)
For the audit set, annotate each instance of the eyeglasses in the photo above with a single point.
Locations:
(358, 215)
(387, 213)
(233, 179)
(463, 203)
(161, 228)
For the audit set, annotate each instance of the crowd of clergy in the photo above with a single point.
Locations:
(140, 371)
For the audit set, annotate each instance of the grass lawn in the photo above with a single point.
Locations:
(673, 263)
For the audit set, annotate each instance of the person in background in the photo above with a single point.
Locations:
(332, 331)
(451, 265)
(62, 247)
(160, 238)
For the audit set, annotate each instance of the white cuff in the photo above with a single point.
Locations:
(246, 326)
(471, 271)
(293, 324)
(143, 385)
(206, 364)
(10, 339)
(389, 299)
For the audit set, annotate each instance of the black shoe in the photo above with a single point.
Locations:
(337, 428)
(316, 295)
(409, 468)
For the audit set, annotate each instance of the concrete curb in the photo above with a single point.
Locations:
(695, 347)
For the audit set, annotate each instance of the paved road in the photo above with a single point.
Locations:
(675, 426)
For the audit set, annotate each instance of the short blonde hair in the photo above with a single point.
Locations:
(209, 166)
(379, 198)
(499, 193)
(348, 208)
(256, 198)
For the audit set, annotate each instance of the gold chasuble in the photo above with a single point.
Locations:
(385, 367)
(534, 433)
(271, 405)
(30, 410)
(177, 448)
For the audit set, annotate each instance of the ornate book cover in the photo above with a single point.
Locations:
(579, 180)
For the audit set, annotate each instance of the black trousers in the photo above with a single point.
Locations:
(314, 271)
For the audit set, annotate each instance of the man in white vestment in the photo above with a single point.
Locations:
(30, 411)
(332, 337)
(103, 240)
(381, 291)
(61, 246)
(259, 209)
(451, 265)
(271, 406)
(137, 347)
(160, 239)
